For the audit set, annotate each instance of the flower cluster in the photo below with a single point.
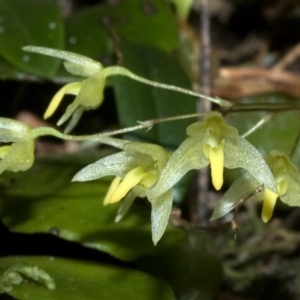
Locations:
(147, 170)
(136, 169)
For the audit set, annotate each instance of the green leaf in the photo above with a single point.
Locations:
(79, 280)
(192, 268)
(30, 22)
(7, 71)
(139, 102)
(44, 197)
(89, 31)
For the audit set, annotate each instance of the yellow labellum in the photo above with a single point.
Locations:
(131, 179)
(114, 184)
(216, 158)
(71, 88)
(268, 205)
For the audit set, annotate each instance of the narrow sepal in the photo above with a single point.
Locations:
(82, 65)
(160, 213)
(118, 164)
(242, 188)
(238, 153)
(187, 157)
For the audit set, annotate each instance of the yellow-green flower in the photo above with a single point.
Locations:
(17, 150)
(136, 169)
(213, 142)
(89, 92)
(287, 177)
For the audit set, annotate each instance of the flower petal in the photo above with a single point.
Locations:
(137, 191)
(4, 150)
(114, 184)
(160, 213)
(240, 189)
(82, 65)
(71, 88)
(131, 179)
(268, 205)
(187, 157)
(238, 153)
(20, 156)
(90, 96)
(291, 196)
(12, 130)
(118, 164)
(158, 153)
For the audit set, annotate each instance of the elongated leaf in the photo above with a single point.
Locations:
(44, 197)
(78, 280)
(30, 22)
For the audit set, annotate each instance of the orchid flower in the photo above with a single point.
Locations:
(287, 179)
(17, 150)
(213, 142)
(136, 169)
(89, 92)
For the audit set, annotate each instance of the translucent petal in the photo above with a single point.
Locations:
(292, 195)
(20, 156)
(187, 157)
(157, 153)
(160, 213)
(131, 179)
(12, 130)
(89, 97)
(71, 88)
(240, 189)
(238, 153)
(268, 205)
(4, 150)
(226, 131)
(118, 164)
(137, 191)
(88, 65)
(74, 119)
(114, 184)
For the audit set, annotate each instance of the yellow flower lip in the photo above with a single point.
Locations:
(71, 88)
(118, 189)
(216, 159)
(268, 205)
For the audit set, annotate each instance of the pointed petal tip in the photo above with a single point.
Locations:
(265, 218)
